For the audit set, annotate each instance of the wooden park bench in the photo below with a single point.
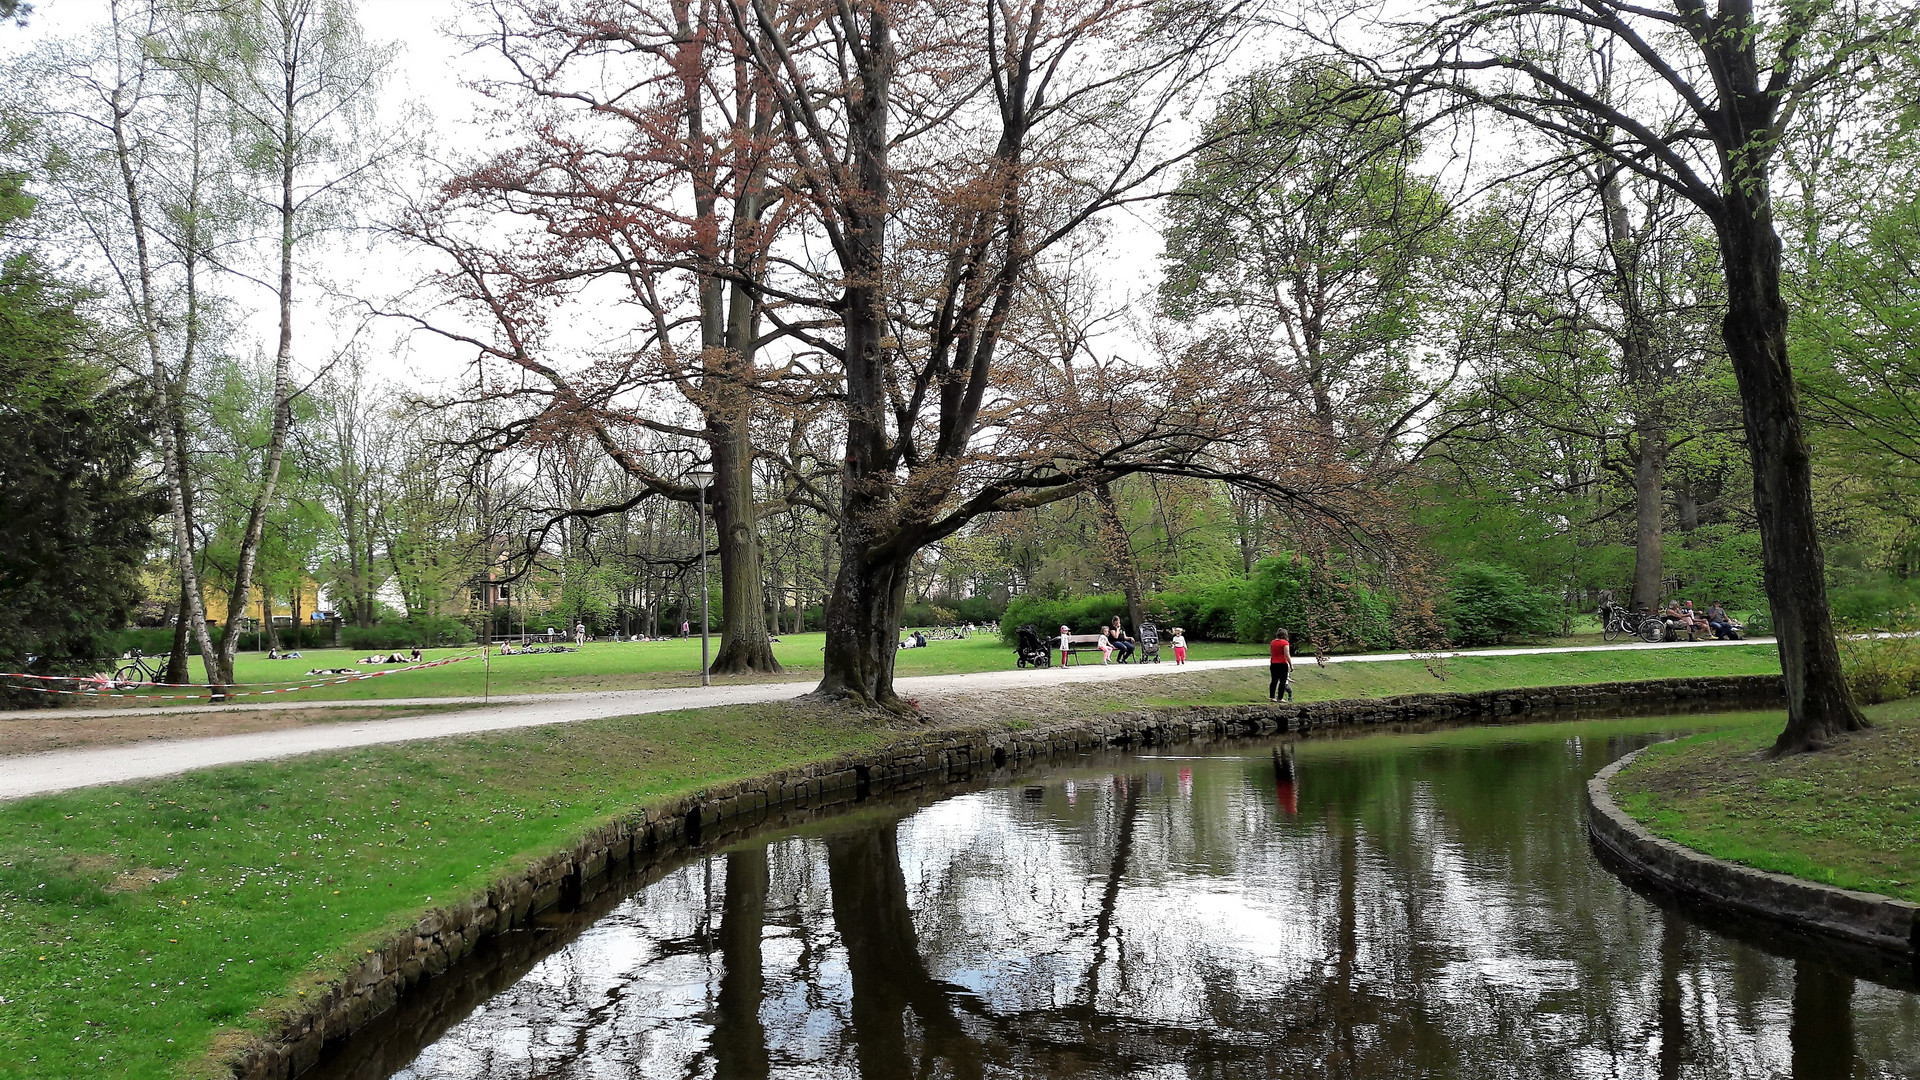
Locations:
(1078, 643)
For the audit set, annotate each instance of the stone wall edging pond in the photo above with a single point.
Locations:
(1878, 922)
(672, 828)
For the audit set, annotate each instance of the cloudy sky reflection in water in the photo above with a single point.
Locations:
(1426, 911)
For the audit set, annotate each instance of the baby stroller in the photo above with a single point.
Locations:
(1030, 651)
(1149, 642)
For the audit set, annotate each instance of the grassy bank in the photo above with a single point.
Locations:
(1847, 816)
(144, 926)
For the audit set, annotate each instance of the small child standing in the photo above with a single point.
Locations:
(1179, 646)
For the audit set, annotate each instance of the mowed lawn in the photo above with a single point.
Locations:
(622, 665)
(1848, 815)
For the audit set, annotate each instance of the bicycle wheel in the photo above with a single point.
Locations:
(1612, 630)
(132, 673)
(1653, 630)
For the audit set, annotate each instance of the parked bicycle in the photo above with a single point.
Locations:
(1617, 621)
(135, 667)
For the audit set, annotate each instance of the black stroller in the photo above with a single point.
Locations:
(1149, 642)
(1031, 651)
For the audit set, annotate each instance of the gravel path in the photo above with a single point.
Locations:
(37, 774)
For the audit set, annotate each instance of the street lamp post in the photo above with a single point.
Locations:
(701, 478)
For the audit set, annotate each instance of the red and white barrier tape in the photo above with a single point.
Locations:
(206, 692)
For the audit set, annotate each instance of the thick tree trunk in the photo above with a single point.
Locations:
(1649, 503)
(743, 618)
(863, 613)
(863, 632)
(1819, 706)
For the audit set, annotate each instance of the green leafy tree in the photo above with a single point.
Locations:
(75, 511)
(1304, 231)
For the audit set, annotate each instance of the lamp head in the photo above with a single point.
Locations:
(701, 478)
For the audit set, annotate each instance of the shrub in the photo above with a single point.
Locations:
(1868, 604)
(1082, 613)
(1206, 612)
(929, 614)
(1316, 610)
(426, 632)
(1881, 669)
(1486, 605)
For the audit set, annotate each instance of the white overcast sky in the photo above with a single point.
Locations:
(431, 71)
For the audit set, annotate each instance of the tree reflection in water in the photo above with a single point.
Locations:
(1427, 911)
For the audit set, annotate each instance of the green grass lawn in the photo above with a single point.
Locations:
(613, 666)
(1848, 815)
(653, 664)
(274, 876)
(1465, 674)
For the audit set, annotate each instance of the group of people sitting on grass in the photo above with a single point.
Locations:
(392, 658)
(507, 649)
(915, 640)
(275, 654)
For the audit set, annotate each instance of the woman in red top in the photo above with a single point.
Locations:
(1280, 653)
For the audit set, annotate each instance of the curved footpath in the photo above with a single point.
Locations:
(61, 770)
(1870, 919)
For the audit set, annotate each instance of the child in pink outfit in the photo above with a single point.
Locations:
(1179, 646)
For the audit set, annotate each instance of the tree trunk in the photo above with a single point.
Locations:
(863, 613)
(863, 632)
(1649, 503)
(1686, 507)
(172, 429)
(1120, 554)
(282, 372)
(1819, 706)
(177, 655)
(744, 646)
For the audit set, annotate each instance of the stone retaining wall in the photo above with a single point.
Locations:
(1869, 919)
(669, 830)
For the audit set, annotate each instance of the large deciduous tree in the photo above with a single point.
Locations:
(1699, 100)
(1305, 229)
(943, 156)
(647, 177)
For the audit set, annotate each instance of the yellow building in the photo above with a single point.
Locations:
(285, 611)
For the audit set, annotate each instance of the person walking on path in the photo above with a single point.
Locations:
(1179, 646)
(1280, 667)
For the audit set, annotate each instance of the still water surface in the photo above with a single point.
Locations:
(1405, 907)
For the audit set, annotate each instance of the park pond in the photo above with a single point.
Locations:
(1402, 906)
